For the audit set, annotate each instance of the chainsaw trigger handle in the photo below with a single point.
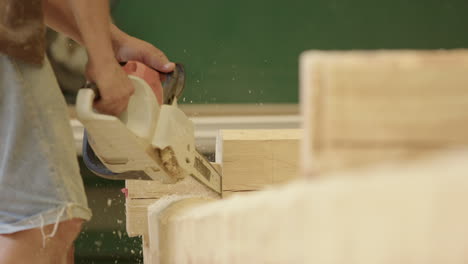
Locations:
(84, 106)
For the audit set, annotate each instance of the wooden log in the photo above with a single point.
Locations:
(136, 211)
(141, 194)
(393, 213)
(254, 159)
(369, 101)
(160, 215)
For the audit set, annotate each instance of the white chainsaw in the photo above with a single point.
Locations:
(152, 140)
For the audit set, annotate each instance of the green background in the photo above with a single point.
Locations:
(246, 51)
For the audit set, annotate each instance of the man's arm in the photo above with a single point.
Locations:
(88, 22)
(93, 20)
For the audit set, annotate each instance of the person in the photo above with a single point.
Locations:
(42, 199)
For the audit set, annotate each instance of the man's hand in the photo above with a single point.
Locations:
(128, 48)
(113, 83)
(114, 86)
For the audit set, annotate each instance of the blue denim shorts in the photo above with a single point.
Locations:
(40, 181)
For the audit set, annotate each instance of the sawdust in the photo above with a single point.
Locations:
(170, 163)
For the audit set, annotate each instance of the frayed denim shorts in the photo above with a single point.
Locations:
(40, 182)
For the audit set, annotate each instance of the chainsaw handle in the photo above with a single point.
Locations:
(84, 107)
(93, 86)
(140, 116)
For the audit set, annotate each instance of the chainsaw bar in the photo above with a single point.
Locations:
(173, 84)
(200, 168)
(206, 173)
